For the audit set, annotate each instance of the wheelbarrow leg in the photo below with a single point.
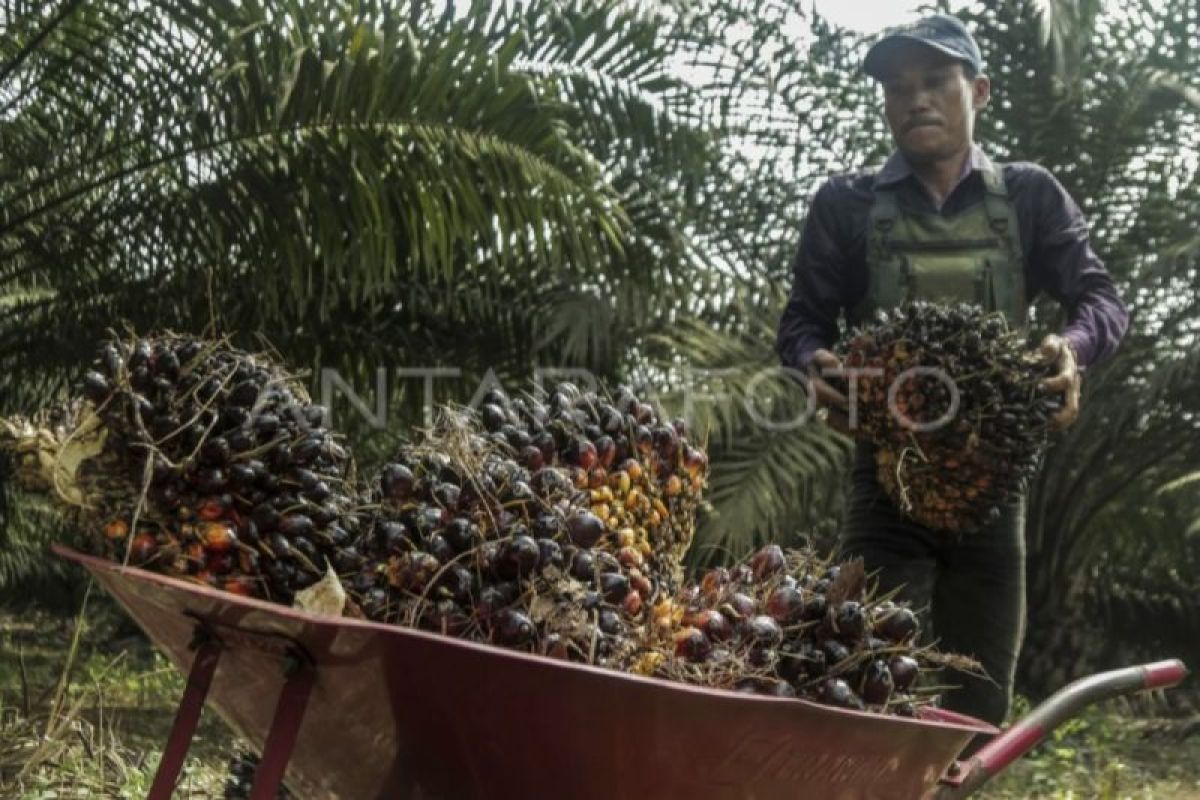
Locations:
(204, 664)
(289, 713)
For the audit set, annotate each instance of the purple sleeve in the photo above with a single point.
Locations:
(810, 320)
(1070, 271)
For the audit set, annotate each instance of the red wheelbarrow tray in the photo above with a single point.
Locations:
(394, 712)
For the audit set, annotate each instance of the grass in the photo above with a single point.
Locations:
(1108, 754)
(85, 705)
(85, 708)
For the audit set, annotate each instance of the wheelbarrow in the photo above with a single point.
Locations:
(346, 708)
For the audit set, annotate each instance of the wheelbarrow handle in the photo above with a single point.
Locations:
(1068, 701)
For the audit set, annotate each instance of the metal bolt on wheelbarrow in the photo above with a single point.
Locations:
(345, 708)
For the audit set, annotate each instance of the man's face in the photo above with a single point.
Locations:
(930, 104)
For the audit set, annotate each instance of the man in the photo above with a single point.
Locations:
(940, 221)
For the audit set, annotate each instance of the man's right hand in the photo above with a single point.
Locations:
(834, 406)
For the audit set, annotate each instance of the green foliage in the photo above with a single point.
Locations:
(1100, 755)
(364, 185)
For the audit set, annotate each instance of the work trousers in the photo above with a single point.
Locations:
(968, 590)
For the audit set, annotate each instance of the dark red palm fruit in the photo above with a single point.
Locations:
(836, 692)
(583, 566)
(632, 604)
(666, 442)
(630, 557)
(518, 557)
(490, 602)
(762, 630)
(244, 394)
(583, 454)
(692, 645)
(785, 604)
(850, 622)
(512, 628)
(392, 537)
(279, 546)
(767, 562)
(143, 548)
(306, 547)
(110, 360)
(904, 671)
(211, 480)
(898, 626)
(96, 387)
(606, 451)
(614, 586)
(835, 652)
(308, 449)
(457, 582)
(877, 683)
(550, 554)
(597, 478)
(242, 477)
(762, 657)
(713, 583)
(213, 508)
(790, 666)
(533, 458)
(215, 451)
(814, 608)
(493, 417)
(461, 534)
(585, 529)
(436, 546)
(544, 442)
(743, 605)
(221, 563)
(643, 440)
(555, 646)
(397, 482)
(715, 625)
(609, 622)
(296, 525)
(447, 496)
(641, 584)
(694, 460)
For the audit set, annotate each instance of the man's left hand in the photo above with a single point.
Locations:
(1066, 381)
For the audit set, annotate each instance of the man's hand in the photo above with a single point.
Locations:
(1066, 381)
(834, 406)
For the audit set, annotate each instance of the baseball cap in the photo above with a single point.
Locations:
(942, 32)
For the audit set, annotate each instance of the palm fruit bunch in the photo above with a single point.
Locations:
(506, 525)
(194, 459)
(950, 398)
(792, 624)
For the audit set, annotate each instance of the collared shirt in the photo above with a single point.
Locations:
(830, 267)
(897, 169)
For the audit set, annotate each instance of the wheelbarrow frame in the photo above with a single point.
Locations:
(847, 754)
